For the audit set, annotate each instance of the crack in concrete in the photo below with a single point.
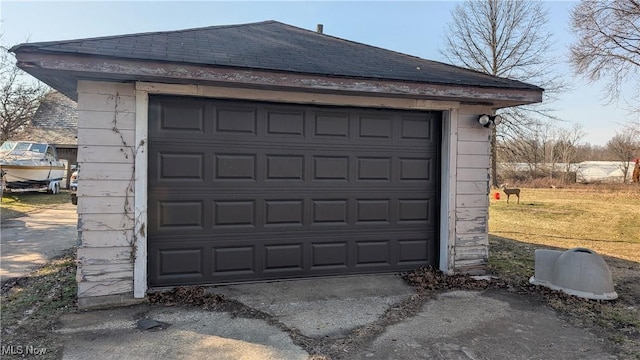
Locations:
(337, 348)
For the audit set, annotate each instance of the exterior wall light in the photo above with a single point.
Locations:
(486, 120)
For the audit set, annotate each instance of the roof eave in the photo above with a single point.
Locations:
(62, 71)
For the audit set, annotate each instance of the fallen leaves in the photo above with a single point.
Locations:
(430, 279)
(186, 295)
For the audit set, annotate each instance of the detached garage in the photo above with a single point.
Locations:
(265, 151)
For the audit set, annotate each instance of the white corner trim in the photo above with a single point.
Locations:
(448, 190)
(140, 196)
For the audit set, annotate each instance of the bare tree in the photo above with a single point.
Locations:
(19, 97)
(608, 45)
(588, 152)
(624, 145)
(566, 148)
(526, 157)
(508, 39)
(633, 126)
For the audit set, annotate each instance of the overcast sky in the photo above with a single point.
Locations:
(414, 28)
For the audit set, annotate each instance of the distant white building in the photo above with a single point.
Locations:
(602, 171)
(586, 171)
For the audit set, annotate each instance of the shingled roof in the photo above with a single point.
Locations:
(55, 121)
(274, 46)
(56, 111)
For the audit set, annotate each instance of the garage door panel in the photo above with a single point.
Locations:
(188, 166)
(285, 123)
(225, 165)
(193, 213)
(333, 125)
(415, 251)
(375, 127)
(415, 169)
(184, 117)
(414, 210)
(236, 120)
(180, 119)
(186, 263)
(330, 211)
(284, 213)
(280, 256)
(374, 168)
(234, 213)
(418, 128)
(311, 187)
(373, 211)
(233, 261)
(271, 191)
(284, 258)
(185, 215)
(235, 167)
(179, 214)
(284, 167)
(329, 256)
(330, 168)
(373, 254)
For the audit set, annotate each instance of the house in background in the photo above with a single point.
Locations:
(265, 151)
(55, 122)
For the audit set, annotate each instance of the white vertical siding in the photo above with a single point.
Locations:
(106, 155)
(471, 249)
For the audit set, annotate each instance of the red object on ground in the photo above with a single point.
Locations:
(496, 196)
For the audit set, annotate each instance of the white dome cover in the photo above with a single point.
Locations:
(578, 271)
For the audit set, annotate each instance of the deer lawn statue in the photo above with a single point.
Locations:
(509, 192)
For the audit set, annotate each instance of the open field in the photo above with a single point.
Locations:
(604, 220)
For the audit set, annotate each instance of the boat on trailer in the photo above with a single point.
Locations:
(29, 166)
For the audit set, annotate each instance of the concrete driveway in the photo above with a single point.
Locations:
(28, 242)
(362, 317)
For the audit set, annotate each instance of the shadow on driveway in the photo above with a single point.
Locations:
(29, 241)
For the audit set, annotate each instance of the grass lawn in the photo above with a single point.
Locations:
(604, 220)
(607, 221)
(31, 306)
(17, 204)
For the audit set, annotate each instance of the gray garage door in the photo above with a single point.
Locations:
(242, 191)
